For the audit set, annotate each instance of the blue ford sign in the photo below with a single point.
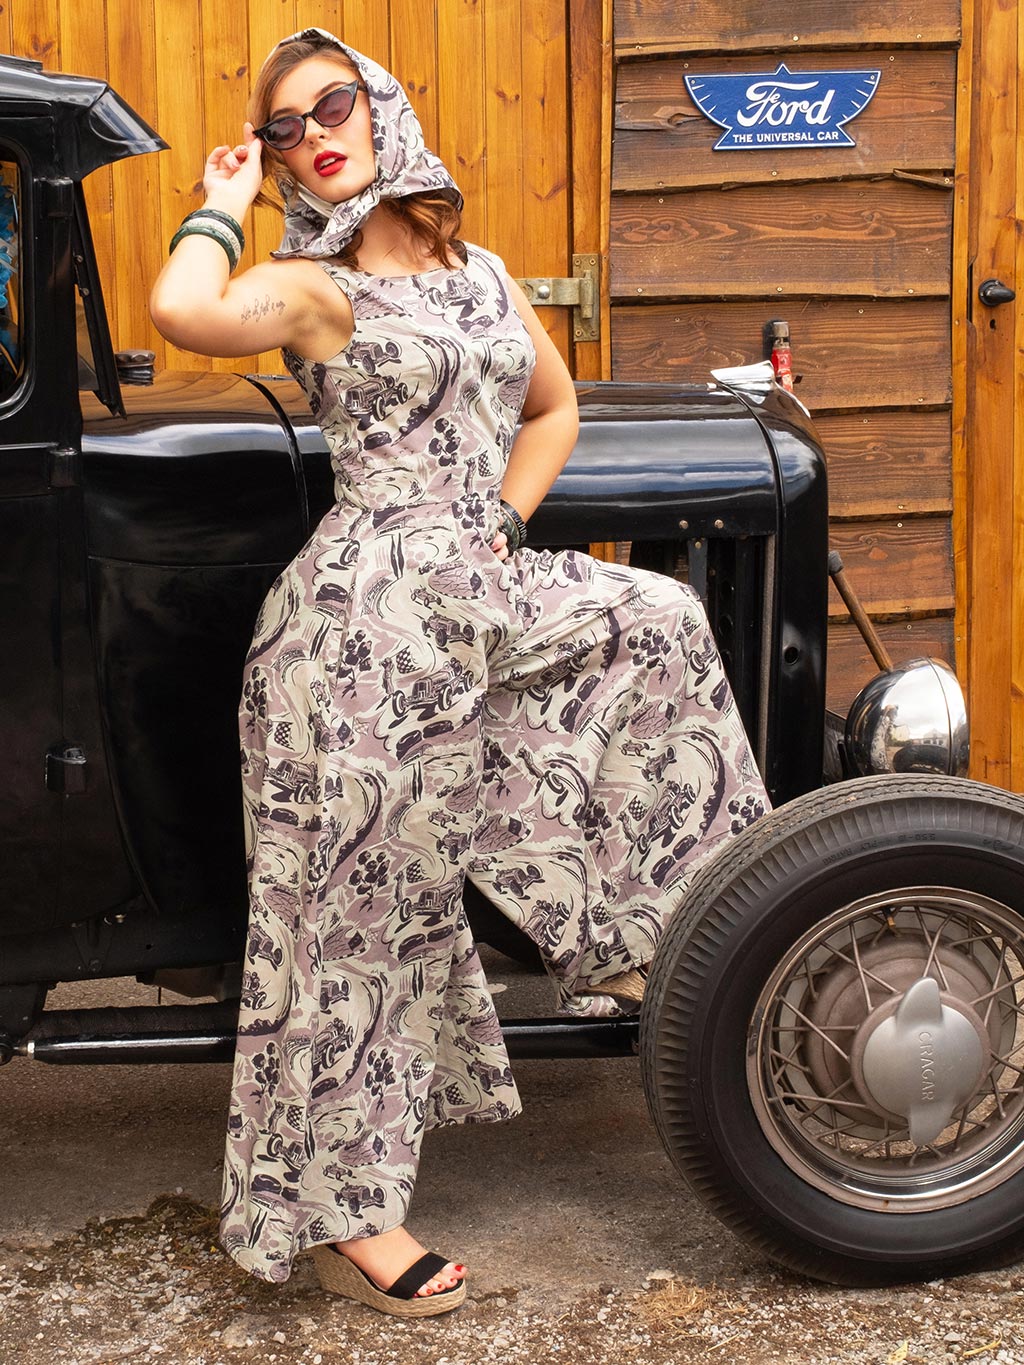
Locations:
(783, 108)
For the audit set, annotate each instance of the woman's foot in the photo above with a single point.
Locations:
(385, 1256)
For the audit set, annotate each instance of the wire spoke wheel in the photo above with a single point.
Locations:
(826, 1000)
(832, 1038)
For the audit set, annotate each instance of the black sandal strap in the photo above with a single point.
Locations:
(428, 1265)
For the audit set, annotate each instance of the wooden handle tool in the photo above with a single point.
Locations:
(866, 627)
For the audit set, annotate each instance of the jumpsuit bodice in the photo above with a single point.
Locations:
(421, 406)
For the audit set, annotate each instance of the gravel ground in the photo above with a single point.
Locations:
(581, 1244)
(156, 1287)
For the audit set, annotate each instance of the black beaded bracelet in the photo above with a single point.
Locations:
(513, 525)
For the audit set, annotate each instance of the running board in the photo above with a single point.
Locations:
(206, 1033)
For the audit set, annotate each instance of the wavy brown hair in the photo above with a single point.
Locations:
(433, 220)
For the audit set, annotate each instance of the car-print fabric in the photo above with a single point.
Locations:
(416, 711)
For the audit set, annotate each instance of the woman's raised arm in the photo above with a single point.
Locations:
(197, 305)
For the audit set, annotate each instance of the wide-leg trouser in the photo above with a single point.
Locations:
(557, 728)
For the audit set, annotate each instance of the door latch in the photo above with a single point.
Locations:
(994, 292)
(581, 291)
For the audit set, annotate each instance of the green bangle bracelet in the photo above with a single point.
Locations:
(214, 223)
(211, 230)
(215, 234)
(221, 217)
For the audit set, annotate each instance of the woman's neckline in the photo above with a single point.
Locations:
(412, 275)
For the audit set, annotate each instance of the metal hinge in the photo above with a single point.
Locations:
(58, 197)
(581, 292)
(66, 770)
(63, 467)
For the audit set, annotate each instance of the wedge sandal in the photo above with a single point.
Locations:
(627, 988)
(339, 1275)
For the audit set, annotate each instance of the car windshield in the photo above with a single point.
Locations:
(97, 368)
(10, 280)
(86, 369)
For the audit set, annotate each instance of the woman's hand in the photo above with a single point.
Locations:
(239, 167)
(500, 545)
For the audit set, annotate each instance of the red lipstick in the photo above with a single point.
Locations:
(327, 163)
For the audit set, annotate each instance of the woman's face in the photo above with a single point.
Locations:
(335, 163)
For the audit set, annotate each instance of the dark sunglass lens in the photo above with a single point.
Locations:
(335, 107)
(283, 133)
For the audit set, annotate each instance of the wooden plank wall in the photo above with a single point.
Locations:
(489, 80)
(851, 245)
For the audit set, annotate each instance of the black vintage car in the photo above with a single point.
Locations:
(832, 1042)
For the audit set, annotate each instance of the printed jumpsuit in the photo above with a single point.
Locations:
(416, 711)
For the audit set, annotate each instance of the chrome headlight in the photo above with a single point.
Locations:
(911, 719)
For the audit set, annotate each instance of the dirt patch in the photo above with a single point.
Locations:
(158, 1288)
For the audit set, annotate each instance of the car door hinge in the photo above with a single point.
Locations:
(63, 467)
(58, 197)
(581, 292)
(66, 768)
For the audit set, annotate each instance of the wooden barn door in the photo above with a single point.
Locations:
(988, 340)
(852, 246)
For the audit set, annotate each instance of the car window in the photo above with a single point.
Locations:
(10, 280)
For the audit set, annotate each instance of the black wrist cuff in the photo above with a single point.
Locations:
(513, 525)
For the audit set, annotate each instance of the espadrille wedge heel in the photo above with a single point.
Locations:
(627, 988)
(339, 1275)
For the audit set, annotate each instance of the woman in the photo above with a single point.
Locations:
(424, 699)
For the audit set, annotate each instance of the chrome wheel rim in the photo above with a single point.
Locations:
(816, 1100)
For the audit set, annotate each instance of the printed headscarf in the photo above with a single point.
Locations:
(315, 228)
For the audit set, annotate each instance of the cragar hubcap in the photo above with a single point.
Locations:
(885, 1058)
